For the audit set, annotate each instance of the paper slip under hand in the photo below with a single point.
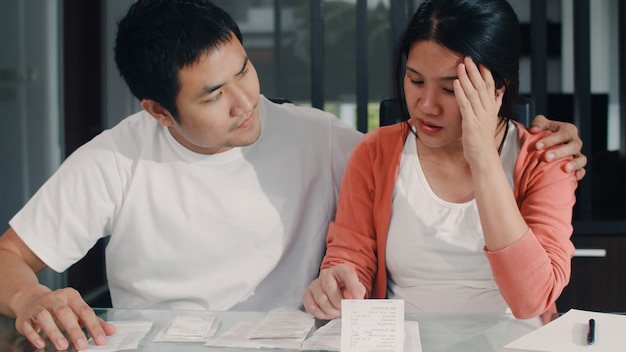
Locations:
(372, 325)
(568, 333)
(127, 336)
(188, 329)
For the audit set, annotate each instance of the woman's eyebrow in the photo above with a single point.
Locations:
(444, 78)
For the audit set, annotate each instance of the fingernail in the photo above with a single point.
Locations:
(569, 168)
(82, 343)
(100, 340)
(540, 145)
(550, 156)
(40, 343)
(62, 344)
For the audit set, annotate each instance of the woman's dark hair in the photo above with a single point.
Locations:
(157, 38)
(485, 30)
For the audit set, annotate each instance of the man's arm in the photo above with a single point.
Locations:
(36, 308)
(563, 142)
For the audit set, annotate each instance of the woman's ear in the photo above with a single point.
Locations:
(500, 91)
(161, 114)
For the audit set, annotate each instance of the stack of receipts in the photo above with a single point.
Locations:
(283, 327)
(368, 325)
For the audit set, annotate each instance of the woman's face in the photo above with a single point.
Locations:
(430, 71)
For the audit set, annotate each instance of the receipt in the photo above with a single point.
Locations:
(188, 329)
(372, 325)
(127, 336)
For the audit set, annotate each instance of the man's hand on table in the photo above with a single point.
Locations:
(49, 312)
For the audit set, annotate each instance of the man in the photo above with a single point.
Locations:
(213, 197)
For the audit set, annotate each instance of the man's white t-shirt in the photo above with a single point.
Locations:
(244, 229)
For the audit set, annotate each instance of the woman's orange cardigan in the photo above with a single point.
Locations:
(530, 273)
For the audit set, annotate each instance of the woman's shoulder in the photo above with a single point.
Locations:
(378, 144)
(384, 133)
(529, 140)
(531, 161)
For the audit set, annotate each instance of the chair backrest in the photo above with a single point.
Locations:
(524, 111)
(390, 111)
(280, 100)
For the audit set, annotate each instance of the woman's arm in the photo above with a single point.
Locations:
(526, 234)
(532, 272)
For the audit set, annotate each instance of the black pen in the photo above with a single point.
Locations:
(591, 333)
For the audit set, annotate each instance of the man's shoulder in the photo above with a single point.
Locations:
(140, 121)
(137, 124)
(304, 118)
(289, 110)
(126, 137)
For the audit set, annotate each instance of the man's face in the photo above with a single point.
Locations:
(218, 101)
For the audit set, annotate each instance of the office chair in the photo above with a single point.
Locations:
(389, 112)
(280, 100)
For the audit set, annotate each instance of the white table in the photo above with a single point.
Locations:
(439, 332)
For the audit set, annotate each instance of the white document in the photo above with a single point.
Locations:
(127, 336)
(412, 340)
(328, 337)
(372, 325)
(283, 323)
(237, 337)
(283, 327)
(188, 329)
(568, 333)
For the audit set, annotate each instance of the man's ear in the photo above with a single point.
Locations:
(161, 114)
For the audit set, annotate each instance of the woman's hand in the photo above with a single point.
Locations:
(479, 104)
(323, 296)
